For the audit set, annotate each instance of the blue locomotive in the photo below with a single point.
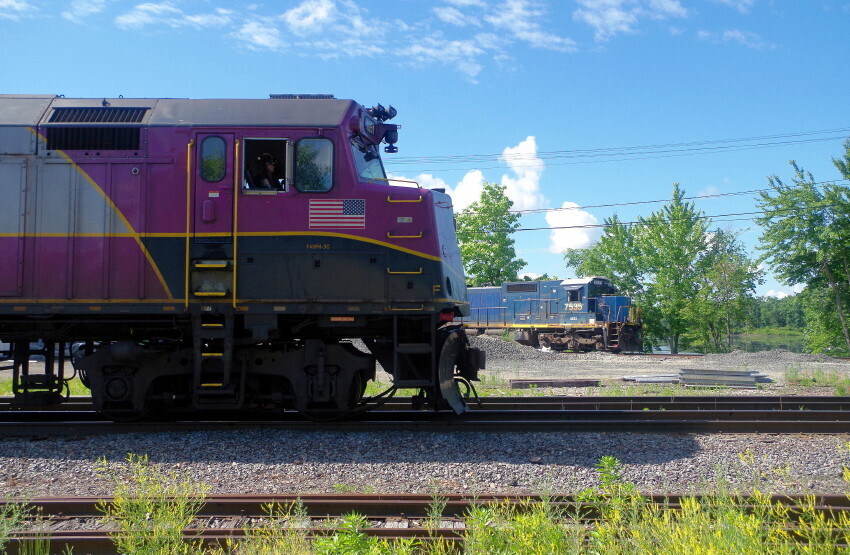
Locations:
(585, 314)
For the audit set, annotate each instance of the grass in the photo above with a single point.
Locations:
(152, 507)
(75, 387)
(839, 382)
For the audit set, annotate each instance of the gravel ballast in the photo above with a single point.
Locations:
(263, 461)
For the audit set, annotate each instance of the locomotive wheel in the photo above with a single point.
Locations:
(450, 354)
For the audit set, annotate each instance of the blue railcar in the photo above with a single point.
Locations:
(584, 314)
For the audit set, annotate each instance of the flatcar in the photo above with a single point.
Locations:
(583, 314)
(222, 253)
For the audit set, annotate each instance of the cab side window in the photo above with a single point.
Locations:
(314, 165)
(213, 165)
(264, 166)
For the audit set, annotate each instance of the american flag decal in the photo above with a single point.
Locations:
(338, 214)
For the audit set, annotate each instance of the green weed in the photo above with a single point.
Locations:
(150, 507)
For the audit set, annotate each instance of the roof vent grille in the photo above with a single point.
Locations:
(94, 115)
(302, 96)
(521, 287)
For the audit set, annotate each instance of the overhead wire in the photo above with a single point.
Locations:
(631, 152)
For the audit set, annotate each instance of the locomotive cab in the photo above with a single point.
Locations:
(218, 254)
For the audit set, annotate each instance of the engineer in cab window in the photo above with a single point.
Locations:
(264, 172)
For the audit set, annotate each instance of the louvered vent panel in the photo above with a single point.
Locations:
(93, 138)
(97, 115)
(521, 288)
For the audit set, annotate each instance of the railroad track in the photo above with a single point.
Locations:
(76, 522)
(636, 414)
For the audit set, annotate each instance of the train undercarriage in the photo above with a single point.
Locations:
(317, 365)
(611, 337)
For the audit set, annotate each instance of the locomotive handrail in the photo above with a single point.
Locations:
(390, 199)
(237, 178)
(391, 236)
(418, 186)
(420, 307)
(189, 147)
(413, 273)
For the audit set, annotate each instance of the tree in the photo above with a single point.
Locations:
(806, 237)
(614, 256)
(692, 285)
(484, 232)
(724, 297)
(672, 243)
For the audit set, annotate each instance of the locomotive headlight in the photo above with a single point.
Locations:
(369, 126)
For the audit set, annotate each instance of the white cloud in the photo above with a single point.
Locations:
(467, 191)
(82, 9)
(15, 9)
(524, 189)
(518, 18)
(575, 237)
(782, 293)
(744, 38)
(166, 14)
(613, 17)
(453, 16)
(258, 36)
(310, 16)
(742, 6)
(462, 54)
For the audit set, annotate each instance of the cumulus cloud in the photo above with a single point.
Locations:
(15, 9)
(572, 235)
(467, 191)
(613, 17)
(524, 186)
(310, 16)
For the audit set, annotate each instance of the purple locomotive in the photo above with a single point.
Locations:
(217, 254)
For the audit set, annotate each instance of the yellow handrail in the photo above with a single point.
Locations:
(188, 214)
(237, 188)
(406, 273)
(391, 236)
(389, 199)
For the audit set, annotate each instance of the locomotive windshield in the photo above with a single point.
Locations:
(367, 160)
(599, 287)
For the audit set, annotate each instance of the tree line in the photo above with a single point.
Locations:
(695, 282)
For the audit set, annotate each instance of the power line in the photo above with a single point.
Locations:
(578, 156)
(729, 218)
(637, 202)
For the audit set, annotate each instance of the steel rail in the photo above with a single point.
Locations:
(655, 414)
(397, 516)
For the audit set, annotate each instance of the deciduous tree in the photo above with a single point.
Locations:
(484, 232)
(806, 237)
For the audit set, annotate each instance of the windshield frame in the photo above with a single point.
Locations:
(366, 169)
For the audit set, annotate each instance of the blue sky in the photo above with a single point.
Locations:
(573, 103)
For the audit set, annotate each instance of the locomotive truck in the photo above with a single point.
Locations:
(220, 254)
(585, 314)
